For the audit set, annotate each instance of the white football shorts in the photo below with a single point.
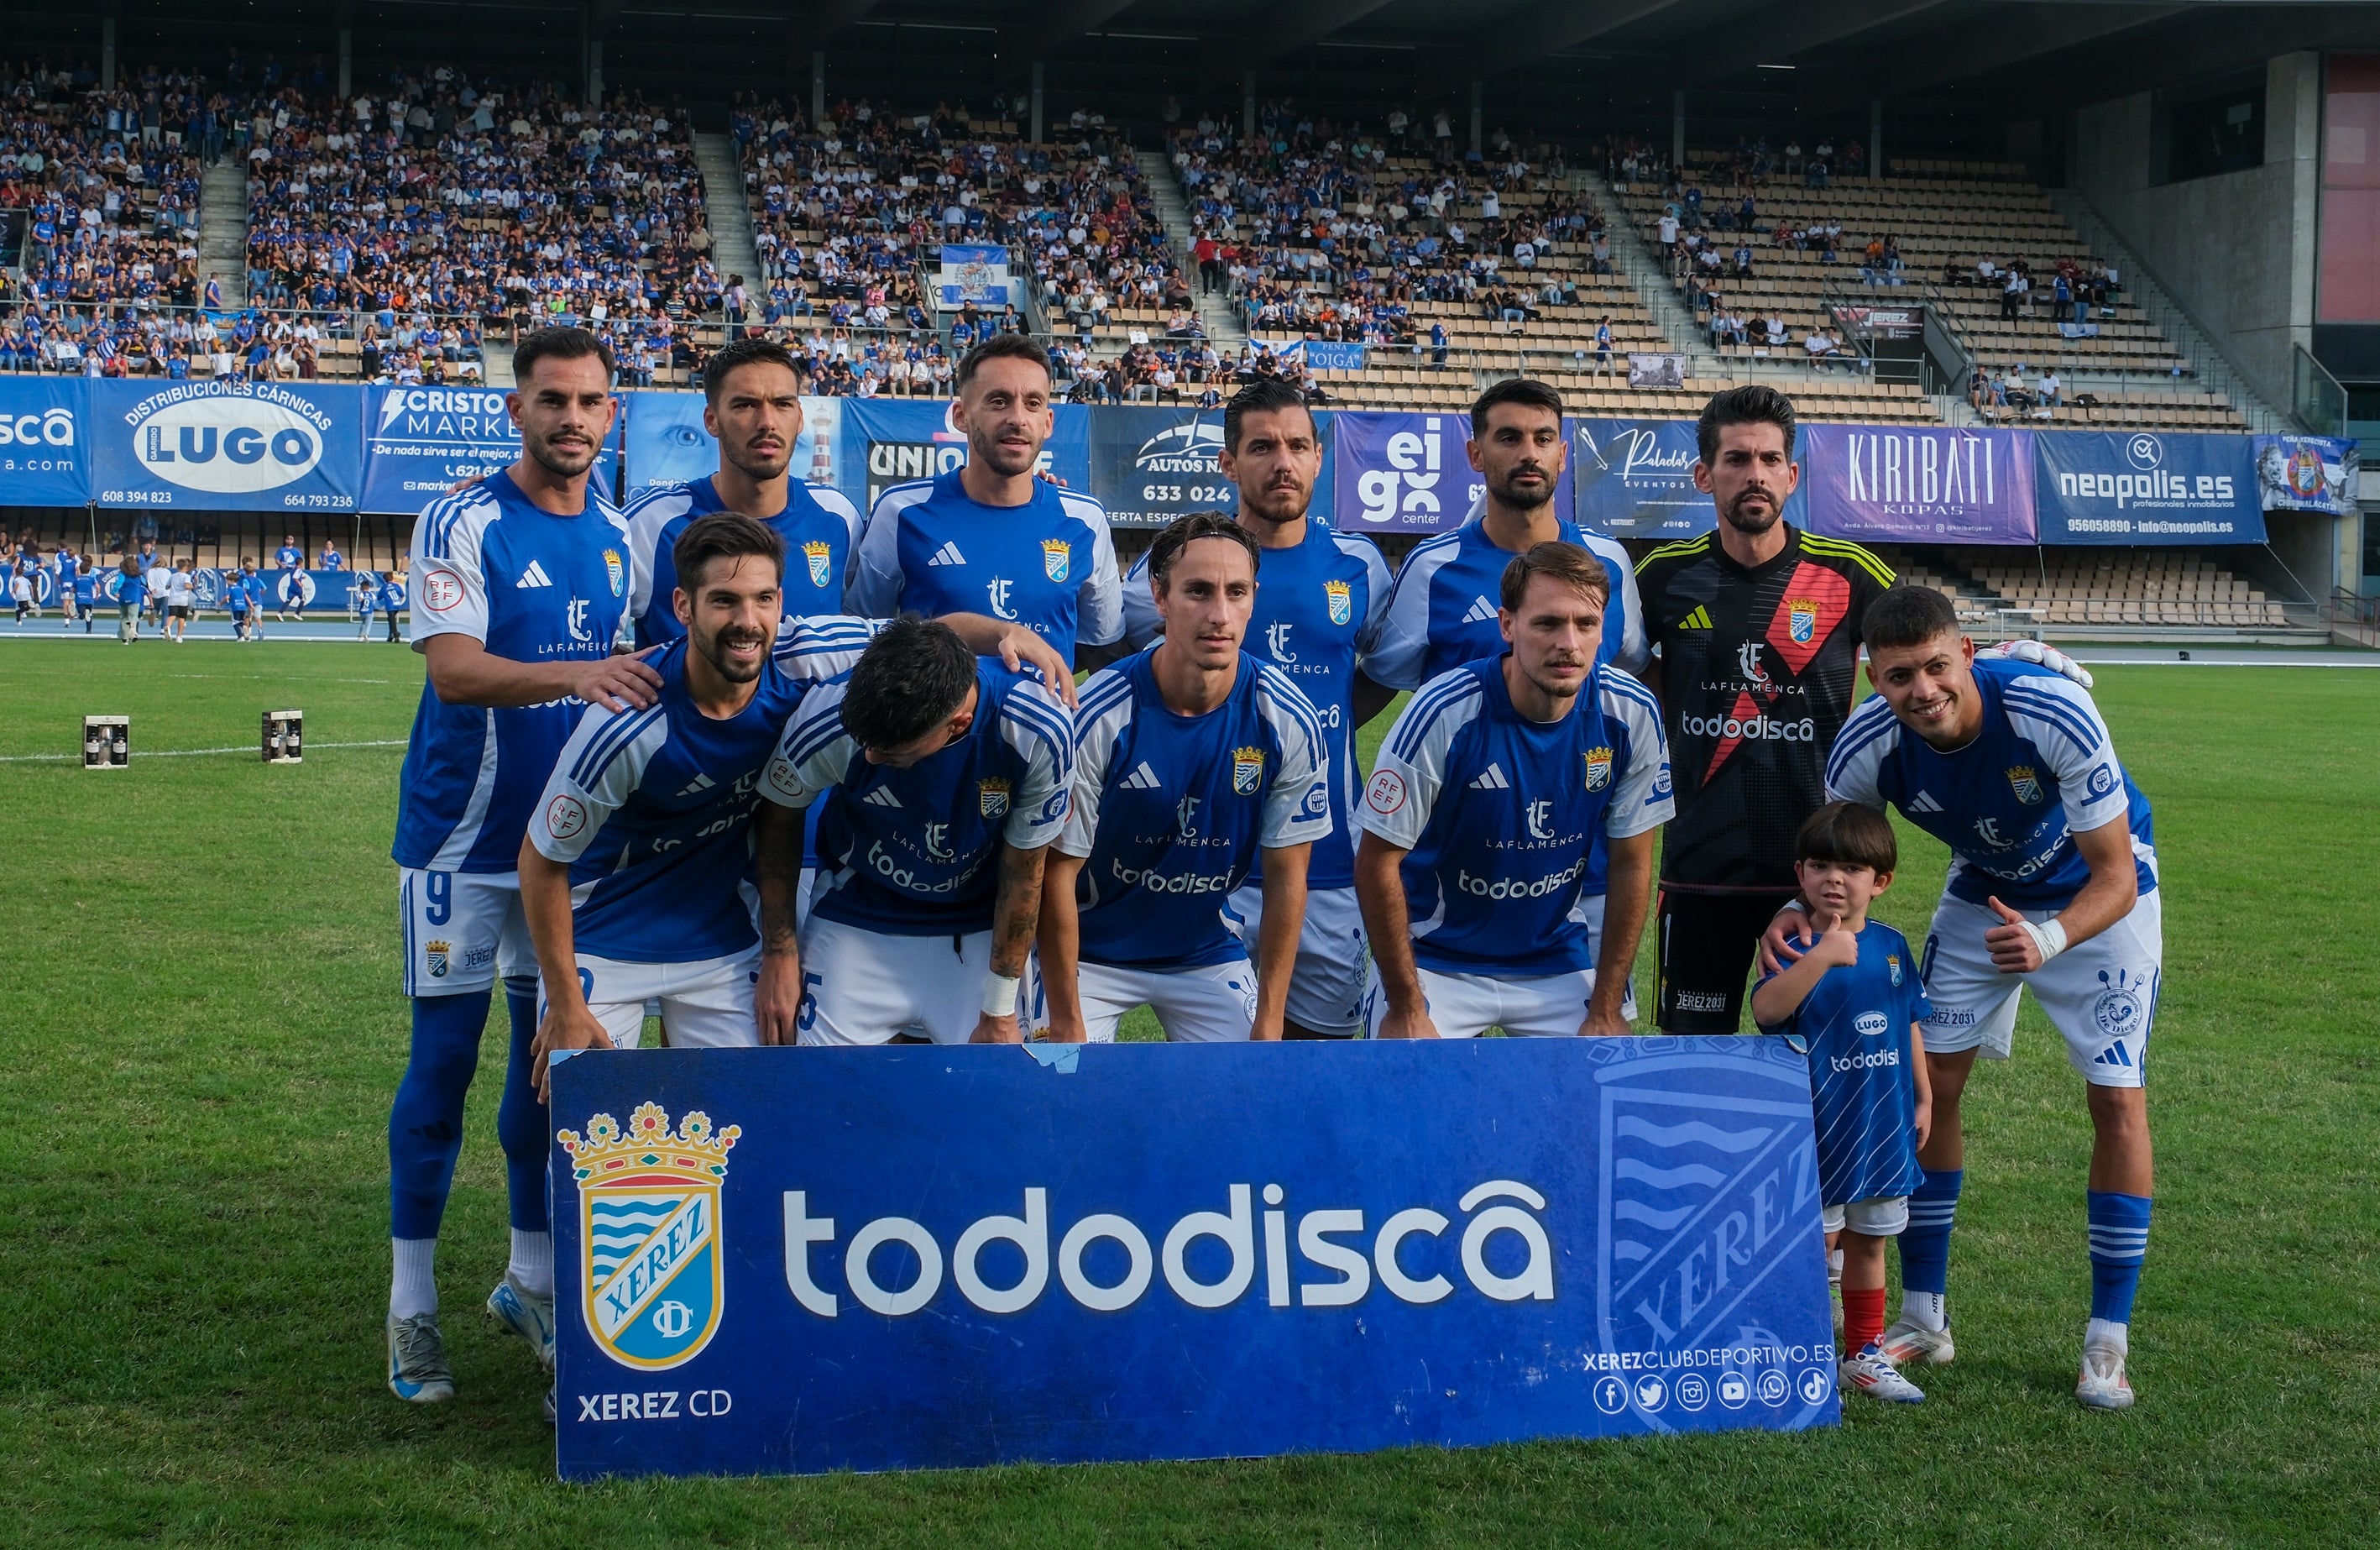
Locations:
(1333, 971)
(2100, 995)
(1883, 1217)
(1466, 1006)
(707, 1005)
(1212, 1005)
(864, 987)
(463, 931)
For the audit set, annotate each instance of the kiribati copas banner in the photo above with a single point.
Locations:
(794, 1260)
(1924, 483)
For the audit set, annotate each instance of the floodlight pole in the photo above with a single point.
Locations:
(1874, 139)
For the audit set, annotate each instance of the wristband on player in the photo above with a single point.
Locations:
(2049, 936)
(1000, 994)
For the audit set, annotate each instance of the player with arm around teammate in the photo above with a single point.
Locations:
(1189, 758)
(949, 775)
(2053, 884)
(1481, 812)
(1851, 1005)
(1317, 605)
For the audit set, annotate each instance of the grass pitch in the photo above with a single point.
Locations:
(202, 1027)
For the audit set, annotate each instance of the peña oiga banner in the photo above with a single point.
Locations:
(1178, 1251)
(2309, 473)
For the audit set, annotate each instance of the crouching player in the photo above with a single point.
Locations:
(2053, 884)
(949, 775)
(1480, 815)
(1851, 1004)
(1189, 758)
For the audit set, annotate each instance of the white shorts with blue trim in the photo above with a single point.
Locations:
(2101, 994)
(1212, 1003)
(463, 931)
(865, 987)
(1881, 1217)
(706, 1005)
(1333, 972)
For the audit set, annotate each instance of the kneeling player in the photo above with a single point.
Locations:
(2053, 884)
(949, 775)
(1481, 812)
(1188, 759)
(1851, 1005)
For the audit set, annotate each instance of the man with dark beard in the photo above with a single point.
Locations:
(1757, 627)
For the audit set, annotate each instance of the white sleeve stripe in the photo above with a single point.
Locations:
(606, 744)
(1420, 714)
(1856, 737)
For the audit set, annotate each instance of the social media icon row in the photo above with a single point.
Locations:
(1694, 1393)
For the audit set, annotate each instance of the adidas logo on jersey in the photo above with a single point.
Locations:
(1142, 779)
(700, 784)
(1923, 803)
(1480, 609)
(1698, 620)
(947, 555)
(881, 797)
(1491, 779)
(534, 576)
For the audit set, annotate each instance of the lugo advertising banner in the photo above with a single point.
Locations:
(225, 447)
(1178, 1251)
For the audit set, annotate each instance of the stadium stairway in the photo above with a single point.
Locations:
(730, 218)
(222, 229)
(1224, 326)
(1650, 276)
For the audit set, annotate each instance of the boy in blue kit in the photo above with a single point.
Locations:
(1852, 1003)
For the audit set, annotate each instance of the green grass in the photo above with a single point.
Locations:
(202, 1027)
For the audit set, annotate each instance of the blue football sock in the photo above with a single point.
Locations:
(425, 1123)
(1925, 1242)
(521, 1126)
(2119, 1240)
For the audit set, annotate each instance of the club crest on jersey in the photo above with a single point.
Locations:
(648, 1215)
(1892, 965)
(1057, 558)
(820, 558)
(616, 571)
(2026, 783)
(1598, 768)
(1800, 619)
(1341, 598)
(1247, 770)
(435, 957)
(992, 797)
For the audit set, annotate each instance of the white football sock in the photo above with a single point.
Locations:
(413, 1288)
(532, 1267)
(1835, 1269)
(2108, 1334)
(1923, 1310)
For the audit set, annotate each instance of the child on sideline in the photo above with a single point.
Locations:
(1852, 1004)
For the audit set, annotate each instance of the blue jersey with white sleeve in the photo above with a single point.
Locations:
(1497, 813)
(1318, 606)
(930, 548)
(1170, 811)
(911, 852)
(290, 557)
(529, 587)
(1853, 1026)
(392, 593)
(651, 808)
(1441, 613)
(2009, 802)
(819, 525)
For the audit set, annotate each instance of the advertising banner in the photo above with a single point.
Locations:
(2147, 487)
(421, 442)
(1323, 355)
(1176, 1252)
(1635, 478)
(2308, 473)
(44, 441)
(1404, 473)
(226, 447)
(1920, 483)
(666, 443)
(886, 442)
(1149, 466)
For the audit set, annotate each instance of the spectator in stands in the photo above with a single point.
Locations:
(1820, 347)
(2049, 388)
(2011, 293)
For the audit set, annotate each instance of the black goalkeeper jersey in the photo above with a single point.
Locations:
(1759, 668)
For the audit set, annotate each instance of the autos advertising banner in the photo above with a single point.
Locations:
(1149, 466)
(1932, 484)
(2133, 487)
(2308, 473)
(45, 440)
(1177, 1252)
(422, 442)
(226, 447)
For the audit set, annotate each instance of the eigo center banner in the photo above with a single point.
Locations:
(1149, 1251)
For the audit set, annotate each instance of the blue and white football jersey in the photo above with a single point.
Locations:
(2009, 803)
(911, 852)
(651, 808)
(1499, 814)
(290, 557)
(1170, 811)
(819, 525)
(529, 587)
(1050, 564)
(1441, 612)
(1319, 606)
(1853, 1026)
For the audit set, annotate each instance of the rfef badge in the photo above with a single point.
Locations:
(648, 1218)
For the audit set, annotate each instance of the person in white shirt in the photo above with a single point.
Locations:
(181, 595)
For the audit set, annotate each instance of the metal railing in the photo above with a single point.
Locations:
(2317, 398)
